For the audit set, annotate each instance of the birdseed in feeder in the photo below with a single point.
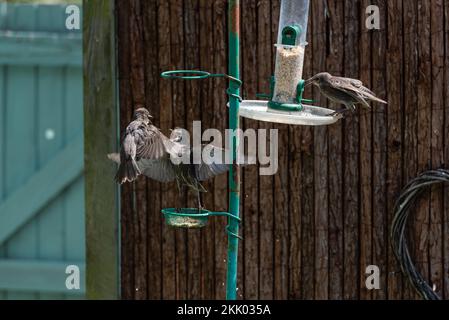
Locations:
(289, 64)
(187, 222)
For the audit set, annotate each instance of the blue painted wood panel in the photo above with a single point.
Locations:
(41, 120)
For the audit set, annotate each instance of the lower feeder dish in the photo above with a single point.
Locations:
(191, 218)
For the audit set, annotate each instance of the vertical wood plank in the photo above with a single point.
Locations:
(334, 64)
(351, 208)
(307, 221)
(321, 161)
(295, 214)
(220, 123)
(366, 162)
(2, 148)
(126, 209)
(21, 79)
(395, 143)
(100, 107)
(423, 86)
(152, 80)
(50, 111)
(281, 189)
(295, 150)
(168, 272)
(266, 210)
(379, 242)
(307, 259)
(74, 212)
(250, 174)
(193, 104)
(446, 150)
(437, 147)
(177, 45)
(21, 162)
(207, 94)
(51, 105)
(3, 84)
(137, 83)
(410, 161)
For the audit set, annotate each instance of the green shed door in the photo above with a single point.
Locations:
(41, 153)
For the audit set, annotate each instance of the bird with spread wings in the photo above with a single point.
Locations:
(145, 150)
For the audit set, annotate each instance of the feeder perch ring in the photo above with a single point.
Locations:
(185, 74)
(197, 75)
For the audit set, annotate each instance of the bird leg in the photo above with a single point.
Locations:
(200, 206)
(339, 112)
(178, 208)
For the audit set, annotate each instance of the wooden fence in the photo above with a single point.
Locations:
(311, 230)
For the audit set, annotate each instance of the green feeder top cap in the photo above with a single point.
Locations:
(291, 35)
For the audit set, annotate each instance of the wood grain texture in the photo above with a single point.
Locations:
(366, 163)
(410, 165)
(321, 162)
(351, 148)
(250, 195)
(220, 122)
(206, 53)
(436, 238)
(423, 87)
(102, 221)
(311, 230)
(395, 134)
(379, 242)
(266, 183)
(445, 103)
(334, 63)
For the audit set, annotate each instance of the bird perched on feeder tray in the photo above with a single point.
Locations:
(145, 150)
(342, 90)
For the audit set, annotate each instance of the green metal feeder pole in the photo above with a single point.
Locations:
(234, 172)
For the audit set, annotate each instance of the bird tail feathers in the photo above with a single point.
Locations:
(374, 98)
(128, 171)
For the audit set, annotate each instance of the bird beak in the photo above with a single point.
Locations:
(308, 82)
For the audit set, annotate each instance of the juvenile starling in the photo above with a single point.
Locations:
(142, 140)
(346, 91)
(145, 150)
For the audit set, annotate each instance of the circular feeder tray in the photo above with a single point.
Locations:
(190, 218)
(310, 116)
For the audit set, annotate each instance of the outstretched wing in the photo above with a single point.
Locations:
(160, 170)
(150, 142)
(213, 166)
(144, 141)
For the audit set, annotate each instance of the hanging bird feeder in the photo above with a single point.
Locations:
(195, 218)
(286, 103)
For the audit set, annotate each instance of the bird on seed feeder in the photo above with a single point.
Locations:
(342, 90)
(145, 150)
